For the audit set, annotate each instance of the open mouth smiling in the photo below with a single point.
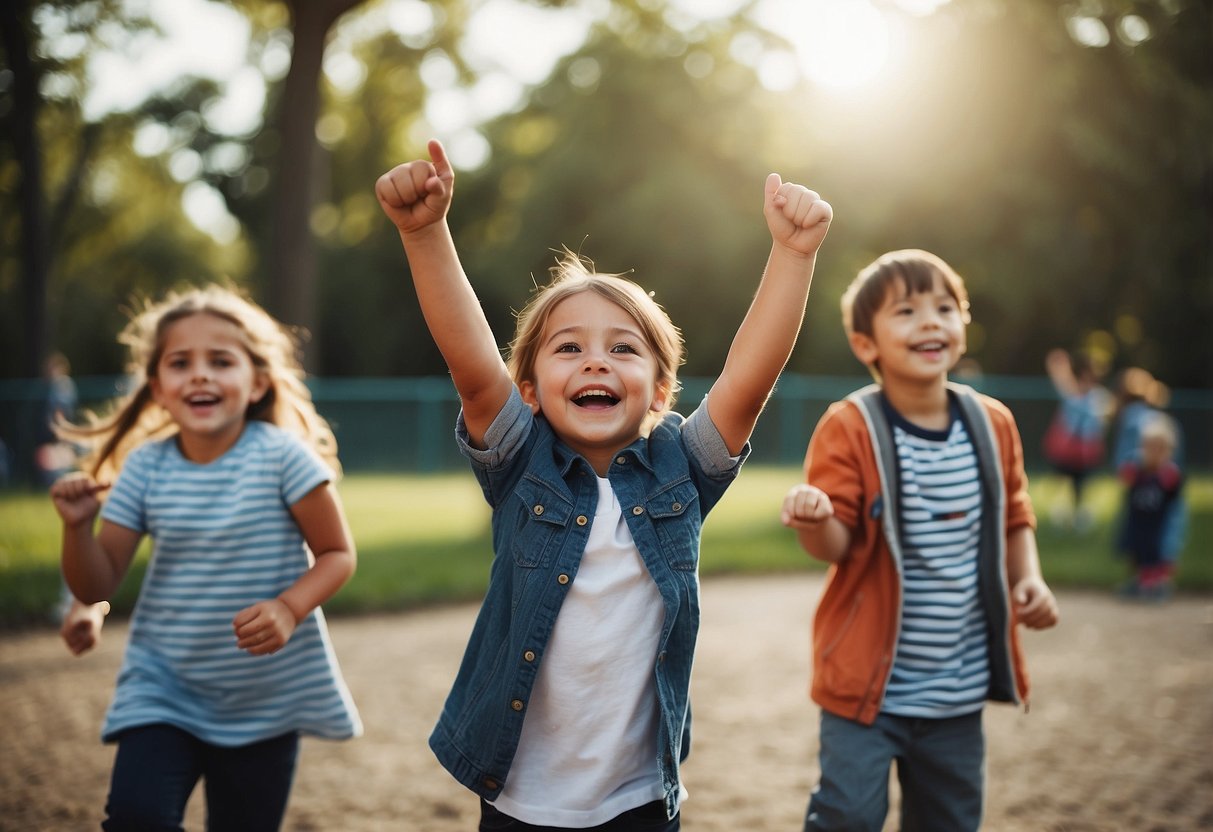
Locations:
(202, 401)
(595, 398)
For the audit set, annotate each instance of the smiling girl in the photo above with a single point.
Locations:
(571, 707)
(219, 456)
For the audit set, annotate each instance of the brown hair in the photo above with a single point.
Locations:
(915, 268)
(136, 418)
(573, 274)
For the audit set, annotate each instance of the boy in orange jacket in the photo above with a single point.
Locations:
(917, 497)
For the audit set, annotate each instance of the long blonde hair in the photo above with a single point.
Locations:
(573, 274)
(136, 417)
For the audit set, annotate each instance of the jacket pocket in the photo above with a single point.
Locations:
(543, 516)
(848, 657)
(674, 512)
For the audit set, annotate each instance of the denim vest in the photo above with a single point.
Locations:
(543, 497)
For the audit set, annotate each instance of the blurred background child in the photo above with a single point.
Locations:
(1074, 443)
(1154, 485)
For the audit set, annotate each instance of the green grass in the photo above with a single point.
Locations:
(425, 539)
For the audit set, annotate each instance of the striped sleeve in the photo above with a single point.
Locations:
(302, 471)
(126, 504)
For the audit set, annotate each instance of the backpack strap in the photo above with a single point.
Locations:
(992, 564)
(985, 443)
(869, 401)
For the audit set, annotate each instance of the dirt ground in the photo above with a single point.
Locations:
(1119, 735)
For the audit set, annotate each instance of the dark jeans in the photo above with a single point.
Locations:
(1078, 479)
(647, 818)
(157, 767)
(940, 765)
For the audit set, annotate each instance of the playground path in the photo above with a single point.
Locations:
(1119, 735)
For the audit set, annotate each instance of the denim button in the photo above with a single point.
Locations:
(538, 510)
(676, 507)
(582, 519)
(529, 655)
(638, 510)
(562, 578)
(622, 460)
(516, 704)
(489, 783)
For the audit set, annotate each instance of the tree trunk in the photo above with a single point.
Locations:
(34, 245)
(292, 264)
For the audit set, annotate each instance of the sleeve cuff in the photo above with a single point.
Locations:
(704, 442)
(508, 431)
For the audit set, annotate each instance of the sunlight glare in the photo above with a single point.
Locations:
(207, 210)
(522, 39)
(841, 44)
(205, 40)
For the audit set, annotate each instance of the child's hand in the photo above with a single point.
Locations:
(75, 498)
(805, 506)
(1057, 360)
(417, 194)
(797, 217)
(81, 630)
(265, 627)
(1035, 606)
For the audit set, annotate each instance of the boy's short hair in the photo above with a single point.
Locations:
(915, 268)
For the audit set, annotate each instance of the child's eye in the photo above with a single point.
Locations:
(623, 347)
(569, 347)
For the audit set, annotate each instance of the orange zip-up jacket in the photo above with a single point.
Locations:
(852, 458)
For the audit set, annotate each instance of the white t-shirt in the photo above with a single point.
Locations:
(588, 750)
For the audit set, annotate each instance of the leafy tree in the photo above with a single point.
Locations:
(36, 227)
(1029, 160)
(85, 220)
(1067, 180)
(621, 155)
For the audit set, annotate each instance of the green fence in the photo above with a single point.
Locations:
(407, 424)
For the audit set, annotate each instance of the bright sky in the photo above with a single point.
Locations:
(838, 45)
(200, 38)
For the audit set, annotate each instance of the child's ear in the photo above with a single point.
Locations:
(529, 395)
(661, 397)
(153, 384)
(261, 386)
(864, 348)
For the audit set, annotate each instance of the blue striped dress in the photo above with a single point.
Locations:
(941, 667)
(224, 539)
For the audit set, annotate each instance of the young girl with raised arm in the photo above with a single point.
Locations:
(219, 456)
(570, 709)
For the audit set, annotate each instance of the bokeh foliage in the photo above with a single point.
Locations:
(1070, 183)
